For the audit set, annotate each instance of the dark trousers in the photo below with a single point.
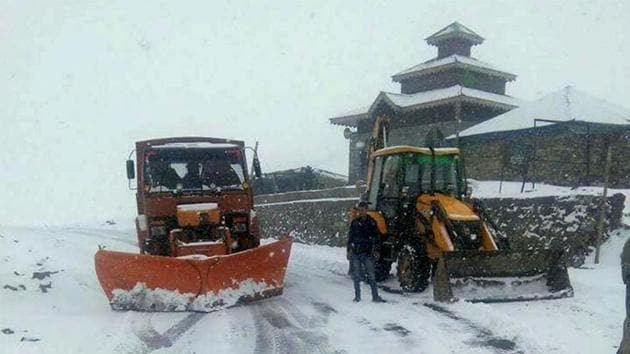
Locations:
(624, 347)
(363, 263)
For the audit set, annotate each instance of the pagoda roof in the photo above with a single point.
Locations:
(420, 100)
(454, 30)
(566, 105)
(453, 61)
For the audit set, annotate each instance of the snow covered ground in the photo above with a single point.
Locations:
(51, 302)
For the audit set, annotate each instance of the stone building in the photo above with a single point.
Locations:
(561, 138)
(437, 98)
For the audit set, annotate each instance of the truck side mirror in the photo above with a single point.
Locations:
(131, 171)
(256, 164)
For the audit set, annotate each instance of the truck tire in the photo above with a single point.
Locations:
(414, 269)
(381, 269)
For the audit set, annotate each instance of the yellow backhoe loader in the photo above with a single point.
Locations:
(431, 227)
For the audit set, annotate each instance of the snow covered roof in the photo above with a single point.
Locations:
(565, 105)
(431, 98)
(454, 60)
(195, 145)
(454, 30)
(350, 118)
(434, 97)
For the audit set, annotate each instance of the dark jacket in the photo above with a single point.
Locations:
(363, 235)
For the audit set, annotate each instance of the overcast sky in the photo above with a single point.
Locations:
(82, 80)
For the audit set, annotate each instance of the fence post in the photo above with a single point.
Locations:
(602, 206)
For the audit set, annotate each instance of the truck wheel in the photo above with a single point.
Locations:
(381, 269)
(414, 270)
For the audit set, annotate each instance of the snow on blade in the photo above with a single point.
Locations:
(491, 289)
(142, 298)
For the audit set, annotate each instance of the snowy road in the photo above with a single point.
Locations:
(52, 303)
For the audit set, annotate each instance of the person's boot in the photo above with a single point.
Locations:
(378, 299)
(357, 299)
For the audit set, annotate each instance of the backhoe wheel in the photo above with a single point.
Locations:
(414, 269)
(381, 269)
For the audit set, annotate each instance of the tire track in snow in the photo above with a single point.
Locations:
(484, 337)
(154, 340)
(281, 327)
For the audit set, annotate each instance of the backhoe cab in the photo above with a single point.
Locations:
(416, 196)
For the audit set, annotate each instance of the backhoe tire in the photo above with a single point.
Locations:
(414, 269)
(381, 269)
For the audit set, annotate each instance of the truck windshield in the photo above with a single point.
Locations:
(168, 170)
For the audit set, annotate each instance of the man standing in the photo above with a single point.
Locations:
(362, 251)
(624, 347)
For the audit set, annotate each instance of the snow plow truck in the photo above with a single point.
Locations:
(197, 231)
(431, 227)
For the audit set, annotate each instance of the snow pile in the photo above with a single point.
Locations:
(142, 298)
(230, 296)
(495, 289)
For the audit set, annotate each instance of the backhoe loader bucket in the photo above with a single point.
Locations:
(194, 282)
(501, 276)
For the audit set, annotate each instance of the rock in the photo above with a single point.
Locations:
(44, 287)
(7, 331)
(43, 275)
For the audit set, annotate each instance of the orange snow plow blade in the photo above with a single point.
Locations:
(192, 283)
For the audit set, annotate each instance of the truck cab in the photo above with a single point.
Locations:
(193, 190)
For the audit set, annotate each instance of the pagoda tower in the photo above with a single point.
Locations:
(438, 98)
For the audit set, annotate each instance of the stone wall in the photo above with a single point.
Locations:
(563, 157)
(310, 221)
(568, 223)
